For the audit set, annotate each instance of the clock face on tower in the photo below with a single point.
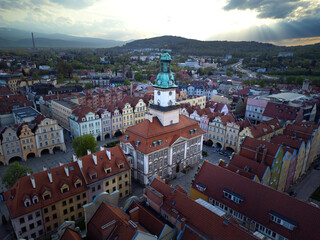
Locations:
(159, 92)
(170, 82)
(159, 82)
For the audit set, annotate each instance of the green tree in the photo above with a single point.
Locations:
(138, 76)
(76, 79)
(87, 86)
(60, 78)
(127, 82)
(229, 73)
(299, 80)
(82, 143)
(35, 75)
(13, 173)
(240, 75)
(240, 109)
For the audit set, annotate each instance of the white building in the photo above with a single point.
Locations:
(166, 142)
(85, 121)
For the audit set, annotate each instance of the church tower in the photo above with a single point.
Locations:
(164, 102)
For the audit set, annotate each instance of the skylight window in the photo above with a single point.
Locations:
(282, 220)
(237, 198)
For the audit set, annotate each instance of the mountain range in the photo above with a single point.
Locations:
(12, 38)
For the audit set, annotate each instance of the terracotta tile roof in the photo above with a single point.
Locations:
(280, 111)
(227, 118)
(259, 206)
(14, 196)
(80, 112)
(250, 146)
(110, 221)
(237, 170)
(265, 128)
(249, 165)
(4, 91)
(300, 131)
(149, 132)
(244, 123)
(70, 234)
(287, 141)
(103, 162)
(195, 216)
(242, 92)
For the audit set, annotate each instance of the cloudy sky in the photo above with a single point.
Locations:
(284, 22)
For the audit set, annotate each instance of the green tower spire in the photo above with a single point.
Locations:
(165, 77)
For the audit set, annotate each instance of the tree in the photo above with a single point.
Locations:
(127, 82)
(13, 173)
(229, 73)
(60, 78)
(87, 86)
(76, 79)
(82, 143)
(35, 75)
(138, 76)
(240, 108)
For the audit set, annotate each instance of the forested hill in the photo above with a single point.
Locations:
(186, 46)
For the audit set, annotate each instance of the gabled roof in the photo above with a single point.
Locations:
(14, 196)
(81, 112)
(260, 201)
(103, 163)
(149, 132)
(287, 141)
(193, 215)
(70, 234)
(250, 146)
(280, 111)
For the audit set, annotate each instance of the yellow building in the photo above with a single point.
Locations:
(197, 101)
(27, 82)
(127, 117)
(27, 141)
(140, 110)
(13, 84)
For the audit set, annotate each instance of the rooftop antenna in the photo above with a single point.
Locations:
(34, 46)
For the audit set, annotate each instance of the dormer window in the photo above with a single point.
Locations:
(35, 199)
(154, 143)
(282, 220)
(46, 195)
(93, 176)
(108, 170)
(127, 137)
(195, 130)
(83, 119)
(237, 198)
(201, 187)
(27, 202)
(121, 166)
(78, 183)
(64, 188)
(138, 143)
(160, 142)
(191, 131)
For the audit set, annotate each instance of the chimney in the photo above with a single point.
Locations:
(80, 163)
(60, 164)
(50, 176)
(95, 160)
(66, 169)
(88, 152)
(108, 154)
(74, 157)
(101, 148)
(28, 173)
(264, 154)
(257, 152)
(45, 168)
(134, 214)
(33, 181)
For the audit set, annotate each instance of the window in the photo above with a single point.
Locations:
(48, 228)
(64, 203)
(120, 186)
(30, 217)
(54, 216)
(84, 195)
(39, 223)
(78, 206)
(55, 225)
(65, 211)
(22, 220)
(79, 214)
(113, 180)
(99, 187)
(71, 200)
(23, 230)
(114, 189)
(71, 209)
(47, 219)
(78, 197)
(53, 207)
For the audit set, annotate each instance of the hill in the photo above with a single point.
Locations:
(12, 38)
(186, 46)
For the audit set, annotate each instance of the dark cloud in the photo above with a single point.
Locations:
(275, 9)
(284, 29)
(75, 4)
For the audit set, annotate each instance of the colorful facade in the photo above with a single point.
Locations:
(27, 141)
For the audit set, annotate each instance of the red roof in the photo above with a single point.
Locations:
(70, 234)
(259, 201)
(287, 141)
(149, 132)
(23, 187)
(192, 215)
(250, 146)
(103, 162)
(281, 111)
(4, 91)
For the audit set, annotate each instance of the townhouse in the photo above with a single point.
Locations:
(11, 145)
(105, 116)
(85, 120)
(61, 111)
(41, 202)
(105, 171)
(27, 141)
(49, 135)
(272, 214)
